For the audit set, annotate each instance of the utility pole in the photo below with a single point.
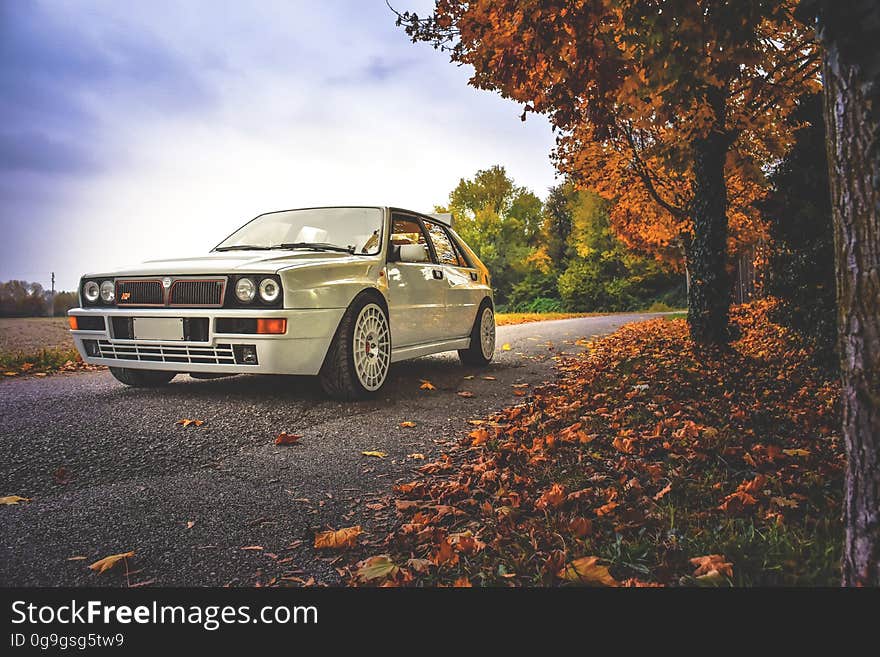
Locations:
(52, 298)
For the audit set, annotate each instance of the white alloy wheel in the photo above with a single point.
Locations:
(371, 347)
(487, 333)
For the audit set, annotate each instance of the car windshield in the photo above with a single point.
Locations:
(353, 230)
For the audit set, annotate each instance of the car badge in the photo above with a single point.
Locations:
(166, 282)
(126, 296)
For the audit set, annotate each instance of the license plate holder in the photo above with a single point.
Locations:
(157, 328)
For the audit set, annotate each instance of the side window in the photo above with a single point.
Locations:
(407, 230)
(446, 253)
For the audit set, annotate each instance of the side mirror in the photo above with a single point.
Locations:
(413, 253)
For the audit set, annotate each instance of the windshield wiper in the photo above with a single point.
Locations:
(316, 246)
(244, 247)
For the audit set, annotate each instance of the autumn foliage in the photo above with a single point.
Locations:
(647, 462)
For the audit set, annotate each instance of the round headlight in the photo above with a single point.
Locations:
(91, 291)
(108, 291)
(245, 290)
(269, 290)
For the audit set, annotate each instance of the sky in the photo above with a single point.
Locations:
(142, 130)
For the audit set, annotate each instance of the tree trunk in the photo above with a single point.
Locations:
(852, 114)
(709, 292)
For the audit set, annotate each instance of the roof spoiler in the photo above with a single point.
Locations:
(442, 217)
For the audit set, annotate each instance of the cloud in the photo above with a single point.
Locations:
(138, 130)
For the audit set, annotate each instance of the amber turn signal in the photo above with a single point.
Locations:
(272, 326)
(72, 321)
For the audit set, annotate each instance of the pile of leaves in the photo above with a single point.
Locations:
(648, 462)
(506, 319)
(43, 362)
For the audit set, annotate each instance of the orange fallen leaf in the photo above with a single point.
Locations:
(605, 509)
(254, 548)
(417, 456)
(77, 558)
(462, 583)
(662, 492)
(375, 454)
(551, 498)
(427, 385)
(476, 423)
(13, 499)
(287, 438)
(488, 378)
(712, 569)
(105, 564)
(796, 452)
(407, 424)
(587, 570)
(185, 422)
(338, 539)
(581, 527)
(478, 436)
(465, 393)
(190, 524)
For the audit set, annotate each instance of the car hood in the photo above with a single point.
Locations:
(230, 262)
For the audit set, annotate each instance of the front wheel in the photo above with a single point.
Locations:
(142, 378)
(357, 362)
(482, 346)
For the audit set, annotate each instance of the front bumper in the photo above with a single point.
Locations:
(300, 350)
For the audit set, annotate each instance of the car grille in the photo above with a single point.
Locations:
(140, 293)
(203, 293)
(221, 354)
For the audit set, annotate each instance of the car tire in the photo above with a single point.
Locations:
(357, 362)
(142, 378)
(482, 346)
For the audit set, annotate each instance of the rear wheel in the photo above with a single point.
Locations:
(482, 338)
(142, 378)
(356, 365)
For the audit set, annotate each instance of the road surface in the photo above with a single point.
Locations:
(108, 470)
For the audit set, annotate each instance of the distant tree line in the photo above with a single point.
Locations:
(24, 299)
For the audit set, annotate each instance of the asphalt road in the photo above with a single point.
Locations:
(188, 500)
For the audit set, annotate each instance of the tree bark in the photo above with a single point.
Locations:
(709, 291)
(852, 114)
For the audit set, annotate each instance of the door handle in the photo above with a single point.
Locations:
(438, 274)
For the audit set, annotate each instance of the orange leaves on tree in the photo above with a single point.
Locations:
(338, 539)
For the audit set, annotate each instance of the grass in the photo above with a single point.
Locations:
(36, 345)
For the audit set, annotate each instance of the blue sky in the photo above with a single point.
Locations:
(137, 130)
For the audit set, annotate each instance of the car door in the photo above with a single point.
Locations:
(461, 296)
(416, 290)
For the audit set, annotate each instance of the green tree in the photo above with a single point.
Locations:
(501, 221)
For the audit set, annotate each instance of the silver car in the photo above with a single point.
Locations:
(336, 292)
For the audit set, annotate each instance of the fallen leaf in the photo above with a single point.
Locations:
(185, 422)
(468, 377)
(478, 436)
(102, 565)
(488, 378)
(13, 499)
(417, 455)
(462, 583)
(419, 565)
(255, 548)
(378, 567)
(375, 506)
(378, 455)
(712, 567)
(505, 347)
(427, 385)
(190, 524)
(407, 424)
(338, 539)
(796, 452)
(587, 570)
(287, 438)
(77, 558)
(581, 527)
(663, 492)
(551, 498)
(465, 393)
(476, 423)
(605, 509)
